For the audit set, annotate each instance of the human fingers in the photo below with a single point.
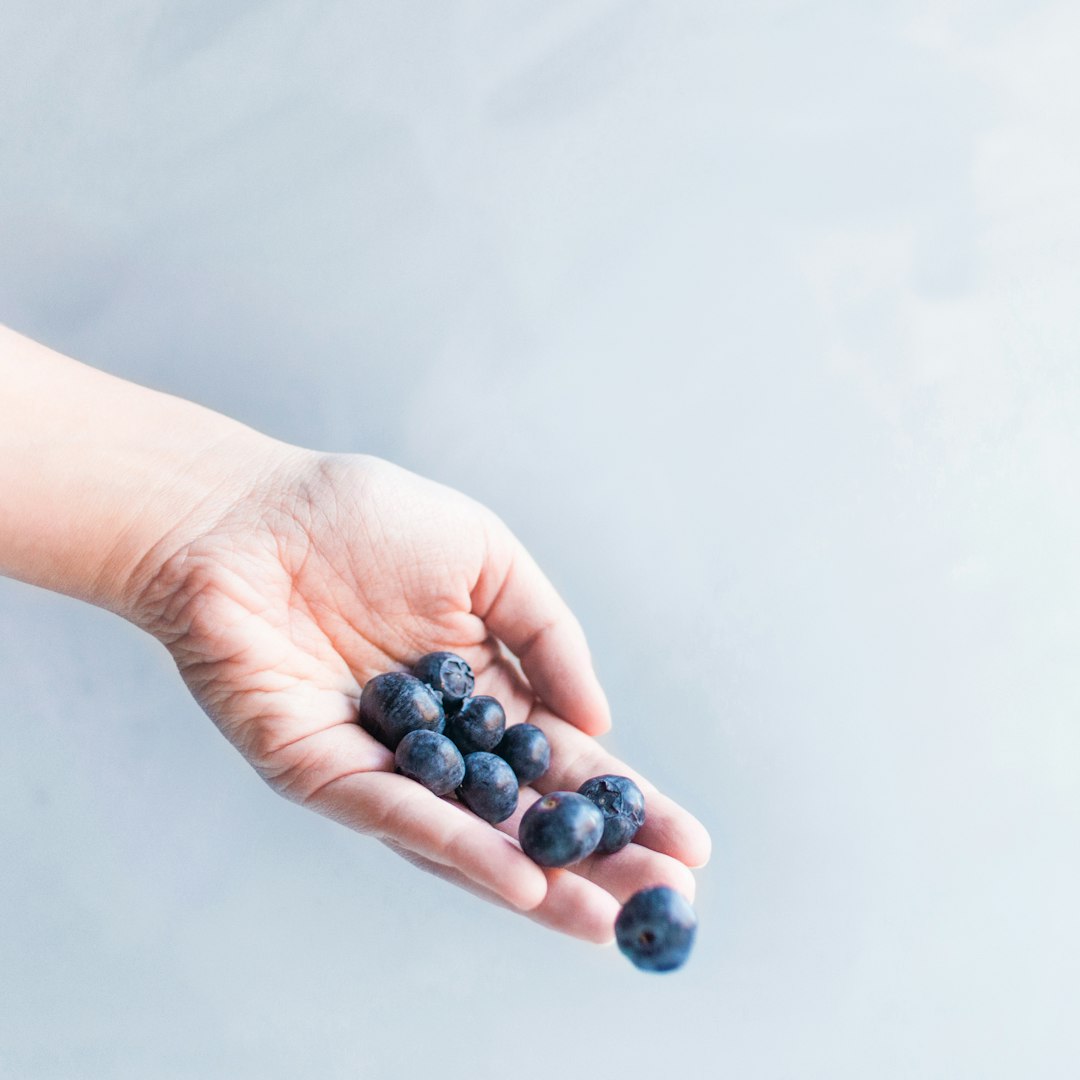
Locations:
(396, 808)
(333, 774)
(522, 608)
(572, 905)
(622, 873)
(575, 758)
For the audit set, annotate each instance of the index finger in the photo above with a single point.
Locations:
(521, 607)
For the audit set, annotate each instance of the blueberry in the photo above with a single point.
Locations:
(396, 703)
(526, 749)
(623, 806)
(477, 725)
(447, 673)
(490, 788)
(560, 828)
(431, 759)
(656, 928)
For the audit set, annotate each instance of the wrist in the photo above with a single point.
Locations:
(97, 474)
(178, 492)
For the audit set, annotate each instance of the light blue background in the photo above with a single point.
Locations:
(758, 323)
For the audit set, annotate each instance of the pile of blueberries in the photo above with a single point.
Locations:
(452, 741)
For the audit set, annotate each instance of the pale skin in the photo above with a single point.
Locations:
(281, 579)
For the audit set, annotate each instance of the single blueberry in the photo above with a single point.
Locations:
(396, 703)
(560, 828)
(431, 759)
(490, 788)
(447, 673)
(656, 928)
(623, 806)
(526, 749)
(477, 725)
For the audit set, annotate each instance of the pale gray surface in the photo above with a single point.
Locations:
(758, 323)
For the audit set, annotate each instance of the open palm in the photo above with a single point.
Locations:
(329, 569)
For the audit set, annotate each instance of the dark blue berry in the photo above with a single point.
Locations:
(447, 673)
(477, 725)
(490, 788)
(396, 703)
(656, 928)
(526, 749)
(623, 806)
(560, 828)
(431, 759)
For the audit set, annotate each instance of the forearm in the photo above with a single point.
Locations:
(95, 471)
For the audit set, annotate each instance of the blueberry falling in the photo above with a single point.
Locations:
(655, 929)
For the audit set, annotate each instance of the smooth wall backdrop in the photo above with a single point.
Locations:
(758, 323)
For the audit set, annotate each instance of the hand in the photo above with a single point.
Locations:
(319, 571)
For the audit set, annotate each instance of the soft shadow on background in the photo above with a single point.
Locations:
(758, 323)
